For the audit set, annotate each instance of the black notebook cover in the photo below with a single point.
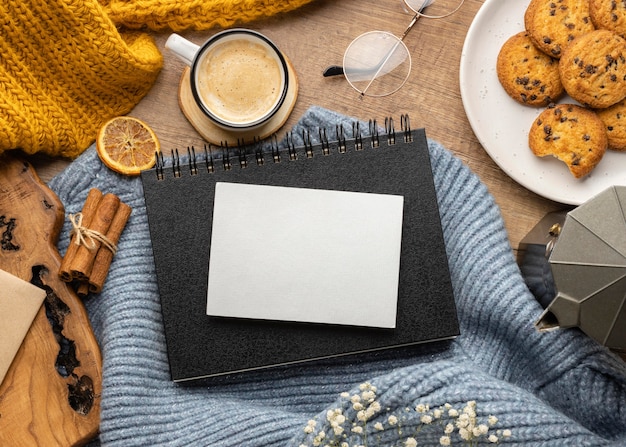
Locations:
(179, 201)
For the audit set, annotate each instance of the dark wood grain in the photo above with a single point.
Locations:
(51, 393)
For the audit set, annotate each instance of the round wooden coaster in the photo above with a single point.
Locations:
(217, 135)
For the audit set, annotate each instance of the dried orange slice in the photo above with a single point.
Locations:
(127, 145)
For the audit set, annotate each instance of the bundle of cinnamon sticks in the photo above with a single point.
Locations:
(97, 230)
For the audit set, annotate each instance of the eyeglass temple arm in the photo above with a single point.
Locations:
(336, 70)
(416, 17)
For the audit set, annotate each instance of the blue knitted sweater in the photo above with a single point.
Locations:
(548, 389)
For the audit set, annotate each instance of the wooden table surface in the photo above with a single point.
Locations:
(316, 36)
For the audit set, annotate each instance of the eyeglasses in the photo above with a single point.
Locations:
(378, 63)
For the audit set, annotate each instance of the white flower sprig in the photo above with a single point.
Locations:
(369, 426)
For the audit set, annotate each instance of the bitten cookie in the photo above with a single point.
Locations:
(609, 15)
(571, 133)
(593, 69)
(527, 74)
(553, 24)
(614, 118)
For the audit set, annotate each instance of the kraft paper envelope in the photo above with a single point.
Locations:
(19, 303)
(305, 255)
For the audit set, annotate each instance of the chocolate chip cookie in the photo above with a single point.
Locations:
(609, 15)
(614, 118)
(553, 24)
(573, 134)
(527, 74)
(593, 69)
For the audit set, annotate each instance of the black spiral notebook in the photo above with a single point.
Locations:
(180, 200)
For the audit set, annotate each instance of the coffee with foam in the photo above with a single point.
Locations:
(240, 80)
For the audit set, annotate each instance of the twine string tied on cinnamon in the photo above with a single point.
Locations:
(88, 237)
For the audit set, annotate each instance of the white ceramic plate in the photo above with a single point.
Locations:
(501, 124)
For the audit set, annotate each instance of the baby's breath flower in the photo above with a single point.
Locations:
(357, 429)
(470, 408)
(426, 419)
(470, 428)
(338, 420)
(333, 414)
(310, 426)
(368, 396)
(462, 421)
(375, 406)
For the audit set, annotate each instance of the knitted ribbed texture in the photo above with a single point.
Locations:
(193, 14)
(550, 389)
(65, 69)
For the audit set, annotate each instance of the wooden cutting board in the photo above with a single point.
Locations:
(51, 393)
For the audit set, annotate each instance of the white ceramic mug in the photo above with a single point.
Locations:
(238, 78)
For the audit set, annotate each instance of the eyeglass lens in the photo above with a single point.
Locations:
(434, 9)
(378, 63)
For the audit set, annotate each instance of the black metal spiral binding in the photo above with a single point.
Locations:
(324, 142)
(208, 158)
(291, 148)
(390, 131)
(356, 135)
(260, 157)
(193, 167)
(241, 150)
(308, 148)
(374, 133)
(226, 157)
(405, 126)
(341, 139)
(175, 163)
(308, 145)
(160, 164)
(275, 150)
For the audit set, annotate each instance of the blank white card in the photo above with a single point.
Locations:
(305, 255)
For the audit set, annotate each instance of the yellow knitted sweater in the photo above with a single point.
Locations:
(67, 66)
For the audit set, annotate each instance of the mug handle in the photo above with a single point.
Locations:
(181, 47)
